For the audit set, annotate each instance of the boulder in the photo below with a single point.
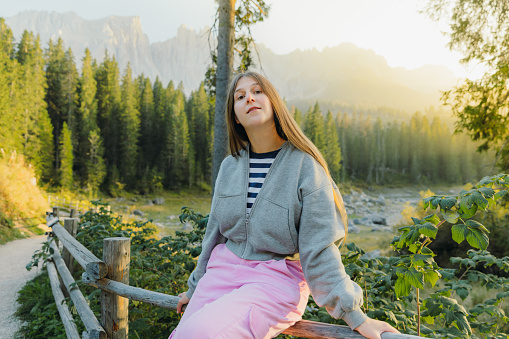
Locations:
(381, 229)
(353, 228)
(138, 212)
(158, 201)
(187, 227)
(378, 220)
(372, 254)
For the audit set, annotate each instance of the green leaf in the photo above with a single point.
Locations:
(428, 259)
(459, 232)
(479, 200)
(402, 287)
(467, 209)
(462, 292)
(429, 319)
(435, 201)
(477, 238)
(425, 202)
(500, 194)
(431, 277)
(415, 278)
(486, 180)
(416, 221)
(488, 192)
(451, 216)
(447, 203)
(478, 225)
(413, 248)
(432, 218)
(428, 230)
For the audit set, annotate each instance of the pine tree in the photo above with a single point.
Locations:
(129, 128)
(86, 117)
(108, 104)
(37, 143)
(11, 137)
(199, 121)
(148, 123)
(61, 78)
(66, 157)
(332, 151)
(314, 127)
(94, 166)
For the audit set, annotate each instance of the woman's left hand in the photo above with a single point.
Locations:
(372, 328)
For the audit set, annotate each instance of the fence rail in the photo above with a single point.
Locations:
(112, 277)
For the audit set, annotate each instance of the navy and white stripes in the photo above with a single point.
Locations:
(259, 165)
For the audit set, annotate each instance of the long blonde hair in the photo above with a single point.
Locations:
(286, 127)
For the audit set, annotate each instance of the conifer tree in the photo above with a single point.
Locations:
(86, 117)
(66, 157)
(37, 143)
(199, 126)
(148, 123)
(10, 122)
(94, 166)
(129, 130)
(61, 77)
(332, 150)
(314, 126)
(108, 104)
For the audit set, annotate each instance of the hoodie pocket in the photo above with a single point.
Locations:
(271, 229)
(230, 211)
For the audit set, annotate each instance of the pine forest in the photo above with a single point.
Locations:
(95, 127)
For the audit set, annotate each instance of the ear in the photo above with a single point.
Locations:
(237, 120)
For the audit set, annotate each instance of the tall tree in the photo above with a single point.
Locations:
(37, 143)
(332, 149)
(129, 129)
(314, 126)
(223, 77)
(86, 120)
(61, 77)
(229, 18)
(108, 103)
(10, 123)
(198, 109)
(66, 157)
(479, 29)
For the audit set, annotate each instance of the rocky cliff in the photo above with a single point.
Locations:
(342, 75)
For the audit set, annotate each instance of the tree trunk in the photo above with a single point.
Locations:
(225, 41)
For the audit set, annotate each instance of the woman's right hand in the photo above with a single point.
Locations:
(184, 299)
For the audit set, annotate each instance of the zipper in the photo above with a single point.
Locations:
(248, 216)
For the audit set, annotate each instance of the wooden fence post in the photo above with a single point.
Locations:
(71, 226)
(114, 309)
(74, 213)
(56, 212)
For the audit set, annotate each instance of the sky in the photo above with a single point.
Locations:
(393, 29)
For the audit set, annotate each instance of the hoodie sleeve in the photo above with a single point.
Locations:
(320, 232)
(211, 238)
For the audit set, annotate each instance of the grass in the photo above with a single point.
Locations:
(369, 241)
(164, 216)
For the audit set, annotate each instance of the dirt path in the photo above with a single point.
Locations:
(13, 258)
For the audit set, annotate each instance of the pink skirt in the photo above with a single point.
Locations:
(239, 298)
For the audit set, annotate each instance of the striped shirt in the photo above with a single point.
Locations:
(259, 165)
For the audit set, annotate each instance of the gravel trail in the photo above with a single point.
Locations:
(13, 258)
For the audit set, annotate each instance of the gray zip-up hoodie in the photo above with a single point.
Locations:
(294, 216)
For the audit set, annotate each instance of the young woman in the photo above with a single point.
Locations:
(274, 228)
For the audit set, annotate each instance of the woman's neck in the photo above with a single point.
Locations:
(265, 142)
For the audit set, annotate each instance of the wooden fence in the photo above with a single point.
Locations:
(111, 275)
(65, 205)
